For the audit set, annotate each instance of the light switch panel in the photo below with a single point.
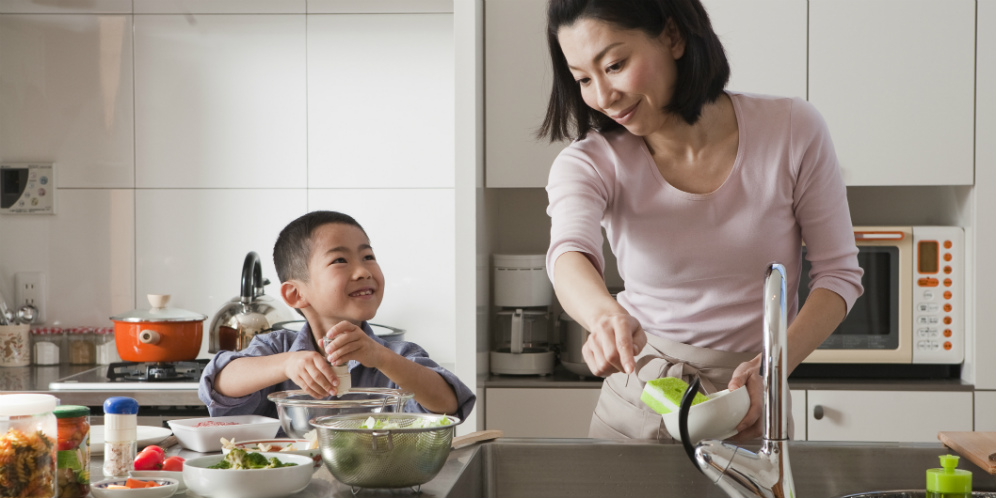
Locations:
(27, 188)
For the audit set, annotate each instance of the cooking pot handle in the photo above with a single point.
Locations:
(252, 277)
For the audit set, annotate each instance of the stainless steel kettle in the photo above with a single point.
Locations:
(249, 314)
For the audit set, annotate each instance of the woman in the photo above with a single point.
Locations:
(698, 189)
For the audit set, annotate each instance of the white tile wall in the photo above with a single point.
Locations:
(87, 253)
(65, 6)
(381, 116)
(206, 156)
(191, 243)
(66, 96)
(220, 101)
(412, 233)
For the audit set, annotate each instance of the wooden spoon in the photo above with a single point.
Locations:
(476, 437)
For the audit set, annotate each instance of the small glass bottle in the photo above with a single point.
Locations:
(81, 348)
(47, 346)
(107, 350)
(949, 481)
(73, 473)
(120, 435)
(27, 423)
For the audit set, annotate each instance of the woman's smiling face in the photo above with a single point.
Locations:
(625, 74)
(345, 281)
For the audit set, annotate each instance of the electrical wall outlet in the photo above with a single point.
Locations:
(29, 288)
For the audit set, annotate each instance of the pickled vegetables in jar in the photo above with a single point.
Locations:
(72, 474)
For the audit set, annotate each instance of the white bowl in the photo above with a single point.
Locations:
(716, 418)
(301, 447)
(157, 474)
(258, 483)
(207, 438)
(166, 489)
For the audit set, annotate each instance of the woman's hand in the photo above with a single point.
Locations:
(309, 370)
(748, 374)
(614, 342)
(347, 341)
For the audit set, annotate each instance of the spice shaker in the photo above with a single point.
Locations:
(107, 351)
(73, 473)
(120, 435)
(48, 346)
(81, 347)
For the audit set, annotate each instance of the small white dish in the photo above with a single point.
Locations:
(159, 474)
(204, 434)
(147, 434)
(258, 483)
(716, 418)
(165, 489)
(280, 445)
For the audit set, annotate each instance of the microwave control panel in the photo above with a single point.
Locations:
(938, 295)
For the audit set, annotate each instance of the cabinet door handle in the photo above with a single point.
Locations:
(818, 412)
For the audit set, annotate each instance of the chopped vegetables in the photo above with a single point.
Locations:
(135, 484)
(239, 459)
(418, 423)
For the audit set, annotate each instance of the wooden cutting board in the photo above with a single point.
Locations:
(979, 447)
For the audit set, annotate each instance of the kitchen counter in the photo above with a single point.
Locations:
(579, 468)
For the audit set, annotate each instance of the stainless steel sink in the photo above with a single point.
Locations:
(579, 468)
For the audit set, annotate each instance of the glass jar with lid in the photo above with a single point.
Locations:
(107, 350)
(28, 435)
(72, 475)
(48, 346)
(82, 350)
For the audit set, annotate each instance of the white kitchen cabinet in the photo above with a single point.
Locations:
(525, 412)
(895, 83)
(985, 411)
(799, 414)
(902, 416)
(765, 43)
(517, 86)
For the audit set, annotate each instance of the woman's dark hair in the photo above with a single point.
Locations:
(703, 70)
(292, 251)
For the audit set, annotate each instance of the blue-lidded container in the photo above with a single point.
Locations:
(120, 435)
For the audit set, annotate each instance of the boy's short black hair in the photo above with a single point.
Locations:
(703, 70)
(292, 251)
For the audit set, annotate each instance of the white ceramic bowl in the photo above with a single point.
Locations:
(300, 447)
(165, 489)
(716, 418)
(158, 474)
(204, 434)
(259, 483)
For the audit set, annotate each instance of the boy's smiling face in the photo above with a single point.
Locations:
(345, 281)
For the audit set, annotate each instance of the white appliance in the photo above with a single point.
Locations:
(521, 335)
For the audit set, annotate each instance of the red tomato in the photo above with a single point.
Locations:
(173, 463)
(149, 460)
(157, 449)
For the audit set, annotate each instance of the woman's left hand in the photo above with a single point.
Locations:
(748, 375)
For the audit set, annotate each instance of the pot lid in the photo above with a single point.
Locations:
(159, 312)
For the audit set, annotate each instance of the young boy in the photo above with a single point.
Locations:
(328, 272)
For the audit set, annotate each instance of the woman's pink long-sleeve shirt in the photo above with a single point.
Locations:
(693, 264)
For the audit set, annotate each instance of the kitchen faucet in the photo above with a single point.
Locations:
(739, 472)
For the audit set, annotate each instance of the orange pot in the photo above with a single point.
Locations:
(159, 334)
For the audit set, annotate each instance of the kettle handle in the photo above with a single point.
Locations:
(252, 278)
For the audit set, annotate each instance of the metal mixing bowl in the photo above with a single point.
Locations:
(384, 458)
(296, 408)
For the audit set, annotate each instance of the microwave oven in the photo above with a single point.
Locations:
(912, 310)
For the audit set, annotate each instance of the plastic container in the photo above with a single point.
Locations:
(120, 435)
(27, 422)
(48, 346)
(949, 481)
(204, 434)
(72, 474)
(107, 350)
(82, 351)
(15, 346)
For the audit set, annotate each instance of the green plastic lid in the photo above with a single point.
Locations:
(949, 479)
(71, 411)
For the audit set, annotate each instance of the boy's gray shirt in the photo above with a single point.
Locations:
(284, 341)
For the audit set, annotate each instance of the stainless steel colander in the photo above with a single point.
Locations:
(384, 458)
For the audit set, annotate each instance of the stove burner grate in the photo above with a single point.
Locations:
(156, 372)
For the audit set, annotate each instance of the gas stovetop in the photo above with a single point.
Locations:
(127, 376)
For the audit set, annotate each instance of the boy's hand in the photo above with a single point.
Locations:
(309, 370)
(349, 342)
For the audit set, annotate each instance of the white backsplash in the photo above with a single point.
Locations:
(182, 142)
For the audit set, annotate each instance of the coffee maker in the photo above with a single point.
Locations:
(521, 335)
